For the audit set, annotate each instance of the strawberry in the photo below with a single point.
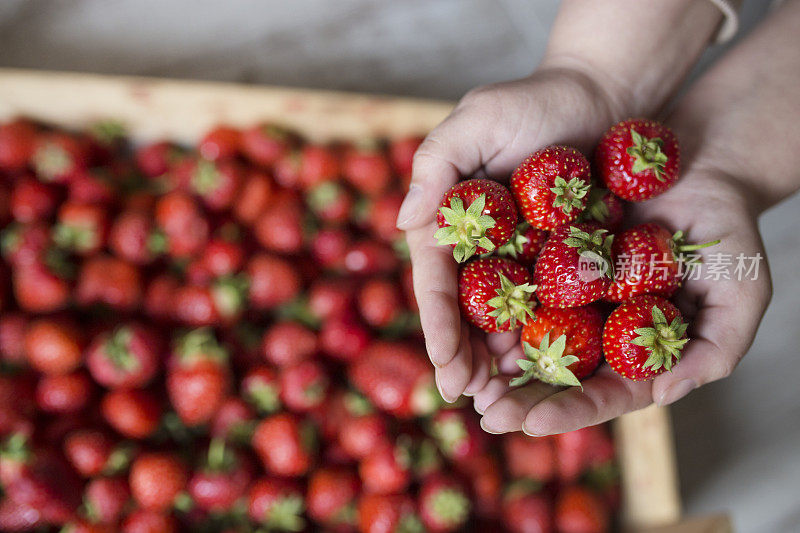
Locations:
(32, 200)
(220, 143)
(575, 266)
(264, 144)
(396, 378)
(476, 216)
(331, 497)
(16, 516)
(386, 470)
(366, 167)
(484, 475)
(494, 294)
(284, 444)
(529, 457)
(527, 509)
(17, 144)
(603, 209)
(24, 244)
(58, 156)
(401, 153)
(254, 197)
(443, 504)
(220, 303)
(304, 386)
(578, 451)
(370, 258)
(64, 393)
(387, 513)
(380, 302)
(221, 257)
(288, 343)
(185, 230)
(93, 186)
(272, 281)
(217, 183)
(12, 338)
(458, 435)
(261, 388)
(108, 280)
(198, 377)
(360, 434)
(329, 297)
(39, 289)
(280, 228)
(562, 347)
(145, 521)
(551, 186)
(643, 337)
(648, 259)
(133, 413)
(379, 216)
(104, 499)
(89, 451)
(133, 238)
(81, 228)
(524, 245)
(53, 347)
(578, 510)
(315, 164)
(638, 159)
(330, 202)
(157, 158)
(343, 337)
(159, 297)
(222, 481)
(234, 421)
(128, 356)
(329, 247)
(276, 504)
(156, 479)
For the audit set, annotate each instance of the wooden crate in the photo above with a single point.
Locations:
(182, 110)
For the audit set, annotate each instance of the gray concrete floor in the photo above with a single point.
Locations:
(737, 440)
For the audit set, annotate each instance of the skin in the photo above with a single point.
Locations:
(751, 94)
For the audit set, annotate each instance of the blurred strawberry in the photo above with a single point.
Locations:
(272, 281)
(366, 167)
(331, 498)
(133, 413)
(32, 200)
(284, 444)
(104, 279)
(265, 144)
(276, 504)
(221, 481)
(261, 388)
(128, 356)
(443, 504)
(156, 479)
(220, 143)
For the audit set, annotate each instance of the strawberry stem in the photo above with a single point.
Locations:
(465, 229)
(647, 154)
(547, 363)
(569, 194)
(664, 340)
(513, 303)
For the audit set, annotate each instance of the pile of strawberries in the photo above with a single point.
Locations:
(549, 241)
(225, 339)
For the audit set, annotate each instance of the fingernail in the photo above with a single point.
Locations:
(530, 433)
(477, 408)
(444, 396)
(677, 391)
(488, 429)
(410, 206)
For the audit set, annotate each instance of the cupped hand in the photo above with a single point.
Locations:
(723, 310)
(488, 134)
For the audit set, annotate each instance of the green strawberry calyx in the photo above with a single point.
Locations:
(206, 177)
(681, 250)
(466, 229)
(450, 506)
(569, 194)
(409, 523)
(595, 246)
(596, 208)
(220, 458)
(547, 363)
(118, 351)
(647, 155)
(664, 340)
(449, 434)
(513, 303)
(286, 514)
(201, 344)
(516, 244)
(229, 294)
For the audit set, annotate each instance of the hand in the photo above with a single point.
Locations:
(723, 315)
(488, 134)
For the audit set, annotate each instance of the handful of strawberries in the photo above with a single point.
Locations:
(548, 271)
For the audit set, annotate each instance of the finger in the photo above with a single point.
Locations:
(435, 286)
(605, 395)
(495, 388)
(500, 343)
(453, 377)
(481, 364)
(507, 363)
(507, 414)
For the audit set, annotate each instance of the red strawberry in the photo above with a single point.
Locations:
(562, 347)
(575, 266)
(443, 504)
(331, 497)
(24, 244)
(159, 298)
(551, 186)
(38, 289)
(648, 262)
(105, 498)
(12, 338)
(280, 228)
(524, 245)
(198, 378)
(386, 470)
(157, 158)
(458, 435)
(329, 297)
(264, 144)
(603, 209)
(366, 167)
(495, 294)
(32, 200)
(18, 517)
(272, 281)
(387, 513)
(216, 183)
(318, 164)
(401, 153)
(88, 451)
(638, 159)
(220, 303)
(304, 386)
(59, 155)
(128, 356)
(261, 388)
(476, 216)
(81, 228)
(343, 337)
(133, 239)
(220, 143)
(277, 504)
(526, 509)
(529, 457)
(17, 144)
(144, 521)
(92, 186)
(643, 337)
(53, 346)
(284, 445)
(360, 434)
(255, 196)
(329, 247)
(133, 413)
(369, 258)
(63, 393)
(379, 216)
(380, 302)
(222, 481)
(578, 510)
(156, 479)
(233, 422)
(184, 226)
(396, 378)
(331, 202)
(110, 281)
(485, 477)
(288, 343)
(578, 451)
